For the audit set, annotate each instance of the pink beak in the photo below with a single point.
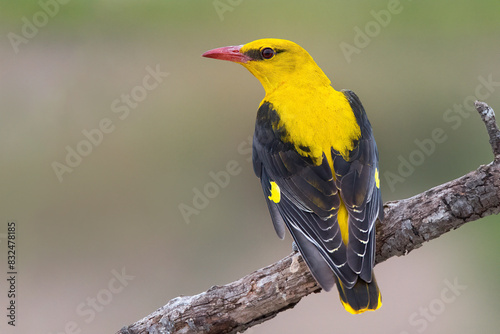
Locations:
(231, 53)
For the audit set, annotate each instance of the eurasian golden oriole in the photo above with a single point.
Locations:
(314, 152)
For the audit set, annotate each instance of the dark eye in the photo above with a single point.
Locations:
(267, 53)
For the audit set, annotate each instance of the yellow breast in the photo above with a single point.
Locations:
(316, 120)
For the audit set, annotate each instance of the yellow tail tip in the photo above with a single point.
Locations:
(349, 308)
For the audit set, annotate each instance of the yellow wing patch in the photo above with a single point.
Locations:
(377, 179)
(275, 193)
(343, 220)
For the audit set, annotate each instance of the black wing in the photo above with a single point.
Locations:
(358, 182)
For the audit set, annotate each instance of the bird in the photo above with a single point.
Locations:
(316, 157)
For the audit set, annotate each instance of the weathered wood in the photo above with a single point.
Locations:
(264, 293)
(488, 116)
(248, 301)
(411, 222)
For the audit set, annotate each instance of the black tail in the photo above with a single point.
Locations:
(361, 297)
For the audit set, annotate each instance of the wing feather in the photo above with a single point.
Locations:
(359, 189)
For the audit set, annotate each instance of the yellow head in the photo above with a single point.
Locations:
(273, 62)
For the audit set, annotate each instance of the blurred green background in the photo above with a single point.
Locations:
(118, 209)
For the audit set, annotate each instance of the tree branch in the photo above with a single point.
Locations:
(488, 117)
(264, 293)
